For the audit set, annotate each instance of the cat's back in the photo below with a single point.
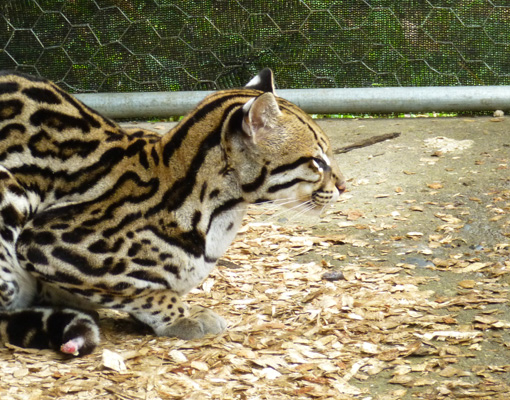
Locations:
(57, 148)
(48, 121)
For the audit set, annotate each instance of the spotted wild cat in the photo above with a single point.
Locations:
(92, 215)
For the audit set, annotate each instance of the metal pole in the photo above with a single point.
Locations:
(316, 101)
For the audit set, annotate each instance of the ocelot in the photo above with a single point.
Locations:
(92, 215)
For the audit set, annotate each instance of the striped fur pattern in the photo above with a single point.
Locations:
(92, 215)
(70, 331)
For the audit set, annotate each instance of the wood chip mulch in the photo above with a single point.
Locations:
(298, 330)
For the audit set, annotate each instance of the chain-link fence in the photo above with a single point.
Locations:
(169, 45)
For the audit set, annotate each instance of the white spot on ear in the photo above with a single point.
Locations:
(248, 104)
(326, 160)
(254, 82)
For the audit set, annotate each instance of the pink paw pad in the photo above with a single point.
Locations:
(72, 346)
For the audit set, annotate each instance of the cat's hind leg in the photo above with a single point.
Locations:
(17, 286)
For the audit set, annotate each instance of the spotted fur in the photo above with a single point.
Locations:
(92, 215)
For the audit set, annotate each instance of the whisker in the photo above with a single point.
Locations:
(239, 209)
(285, 211)
(324, 208)
(270, 205)
(278, 201)
(289, 208)
(308, 206)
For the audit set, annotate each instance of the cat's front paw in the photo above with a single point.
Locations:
(200, 322)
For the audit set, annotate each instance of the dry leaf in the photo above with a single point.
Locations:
(21, 372)
(501, 324)
(414, 234)
(402, 370)
(476, 266)
(178, 356)
(404, 380)
(388, 355)
(354, 215)
(199, 365)
(467, 284)
(369, 348)
(435, 185)
(268, 373)
(423, 382)
(113, 361)
(449, 371)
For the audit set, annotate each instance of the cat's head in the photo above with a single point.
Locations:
(287, 156)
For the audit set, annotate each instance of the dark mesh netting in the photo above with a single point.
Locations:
(152, 45)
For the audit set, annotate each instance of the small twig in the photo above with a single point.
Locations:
(229, 264)
(367, 142)
(120, 393)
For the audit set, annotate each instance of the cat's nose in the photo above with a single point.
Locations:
(340, 187)
(340, 184)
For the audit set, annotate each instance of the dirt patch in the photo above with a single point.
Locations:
(415, 304)
(435, 202)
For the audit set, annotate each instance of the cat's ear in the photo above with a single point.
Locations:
(260, 115)
(264, 81)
